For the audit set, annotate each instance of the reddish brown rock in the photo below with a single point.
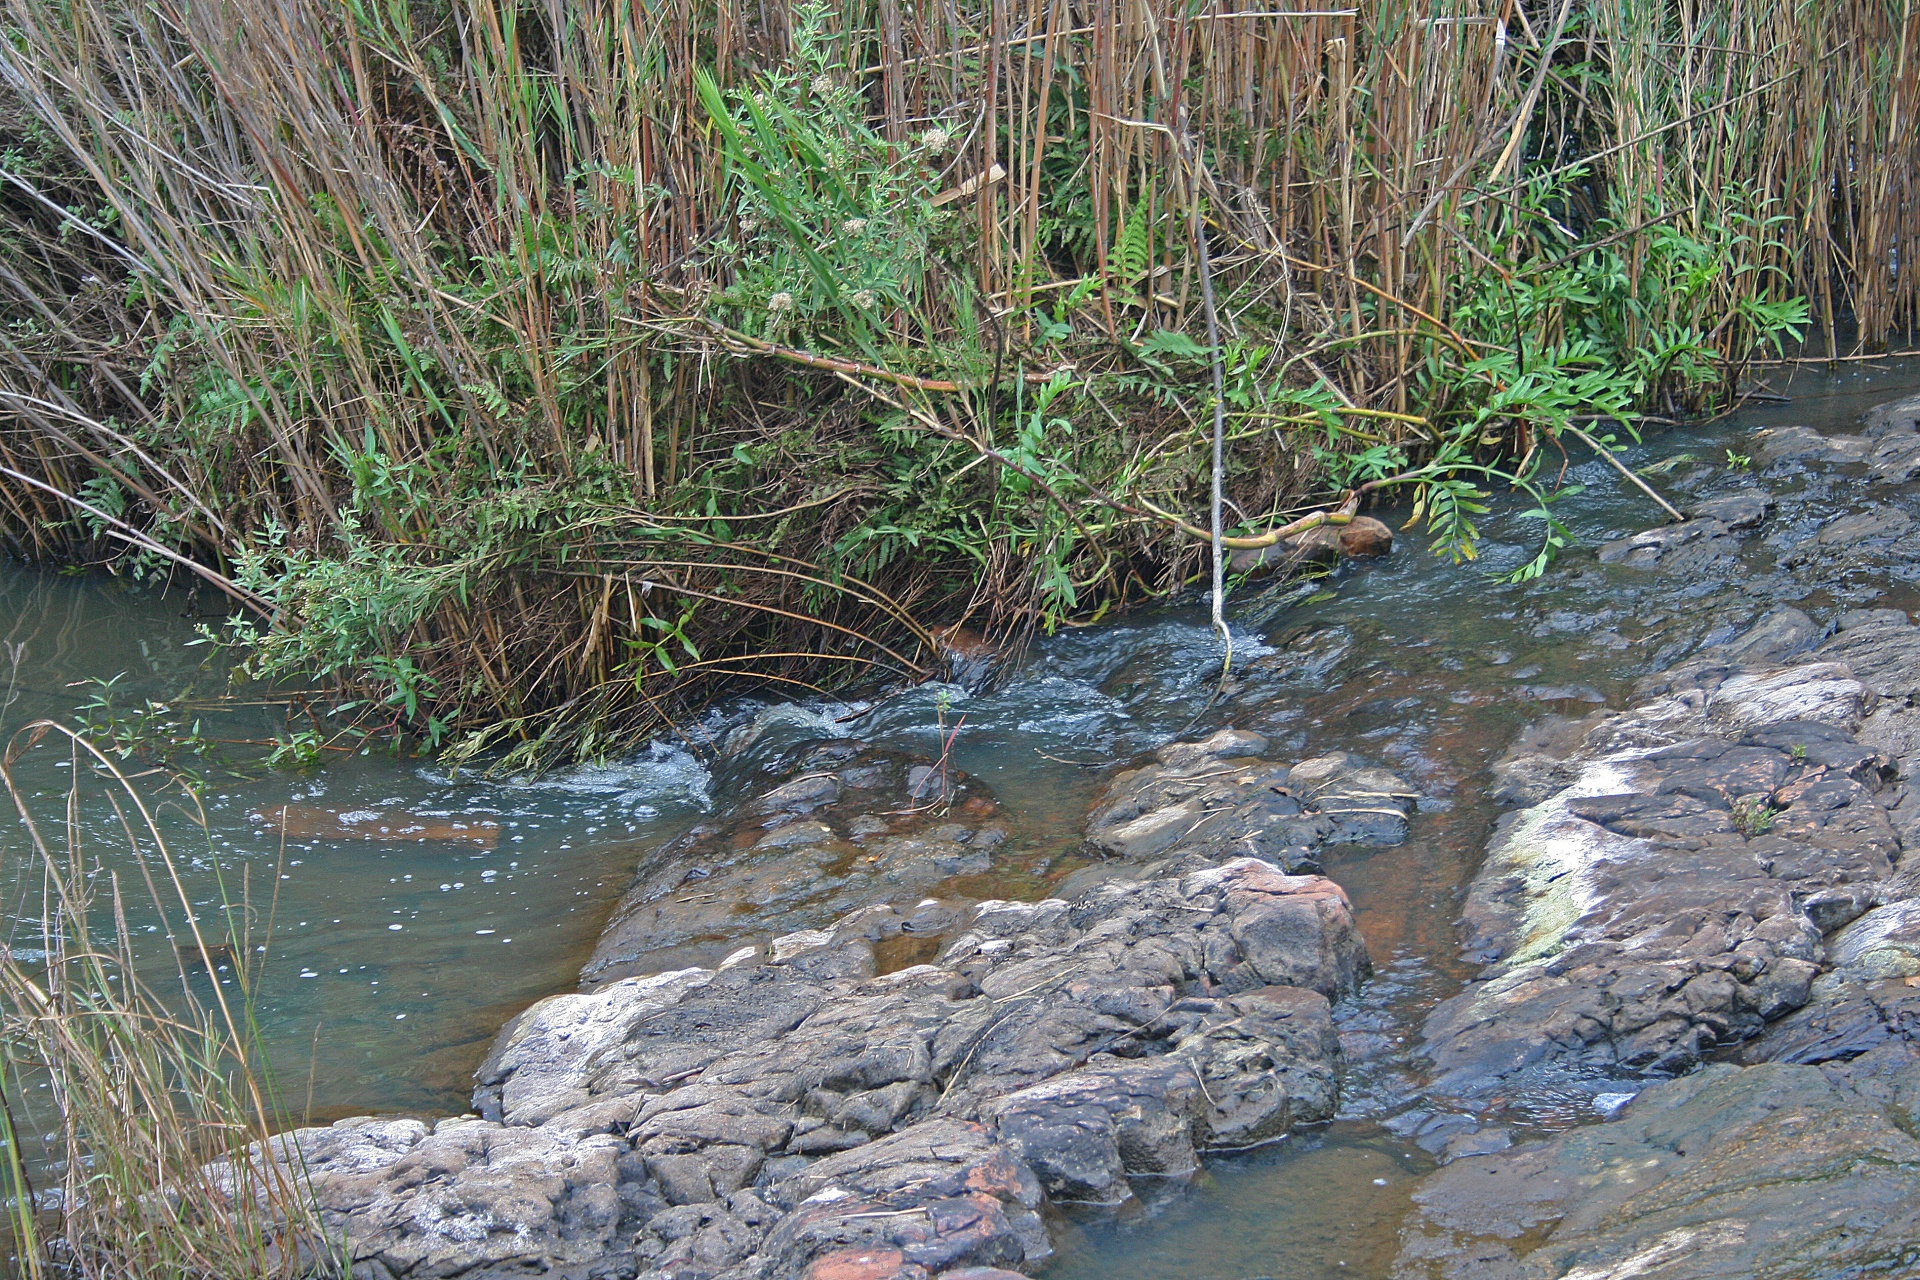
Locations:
(865, 1264)
(1365, 536)
(1362, 537)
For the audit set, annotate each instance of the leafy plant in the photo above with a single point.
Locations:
(1753, 816)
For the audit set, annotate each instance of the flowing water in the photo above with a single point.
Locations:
(413, 912)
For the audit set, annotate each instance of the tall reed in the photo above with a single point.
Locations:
(135, 1118)
(526, 364)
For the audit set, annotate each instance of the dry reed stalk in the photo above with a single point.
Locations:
(157, 1110)
(439, 258)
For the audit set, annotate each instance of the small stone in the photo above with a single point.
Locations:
(1365, 537)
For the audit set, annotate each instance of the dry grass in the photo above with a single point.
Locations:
(133, 1115)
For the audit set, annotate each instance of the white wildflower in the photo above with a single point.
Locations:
(853, 226)
(780, 302)
(936, 140)
(864, 299)
(749, 224)
(822, 86)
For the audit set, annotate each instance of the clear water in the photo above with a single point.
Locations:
(394, 961)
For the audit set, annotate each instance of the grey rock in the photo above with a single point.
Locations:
(1895, 459)
(793, 1115)
(1779, 444)
(1845, 1020)
(1769, 1172)
(1865, 526)
(1216, 798)
(547, 1053)
(1895, 418)
(1868, 535)
(1781, 634)
(1883, 943)
(1737, 511)
(850, 827)
(1084, 1132)
(1670, 891)
(468, 1198)
(1688, 547)
(1882, 649)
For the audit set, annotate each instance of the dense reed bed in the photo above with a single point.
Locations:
(530, 369)
(138, 1107)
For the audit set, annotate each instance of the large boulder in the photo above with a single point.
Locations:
(799, 1113)
(1669, 889)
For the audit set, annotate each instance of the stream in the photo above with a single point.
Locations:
(414, 911)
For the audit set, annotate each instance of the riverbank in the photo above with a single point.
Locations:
(1759, 784)
(534, 380)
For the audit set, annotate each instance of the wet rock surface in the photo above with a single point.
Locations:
(847, 826)
(800, 1112)
(1771, 1171)
(1218, 797)
(1672, 890)
(1721, 872)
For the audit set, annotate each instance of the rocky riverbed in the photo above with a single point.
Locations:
(812, 1044)
(807, 1109)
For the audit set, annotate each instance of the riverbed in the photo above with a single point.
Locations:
(414, 911)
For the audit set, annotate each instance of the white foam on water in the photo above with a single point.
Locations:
(661, 774)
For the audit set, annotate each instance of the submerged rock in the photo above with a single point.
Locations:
(848, 826)
(801, 1116)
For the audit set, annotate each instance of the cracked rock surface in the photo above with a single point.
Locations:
(1772, 1172)
(1671, 889)
(1217, 797)
(806, 1109)
(846, 826)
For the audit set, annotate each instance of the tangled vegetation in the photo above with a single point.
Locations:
(528, 369)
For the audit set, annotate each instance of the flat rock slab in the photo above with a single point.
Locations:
(800, 1114)
(1738, 511)
(1692, 545)
(1219, 797)
(1804, 444)
(1768, 1172)
(845, 827)
(1894, 418)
